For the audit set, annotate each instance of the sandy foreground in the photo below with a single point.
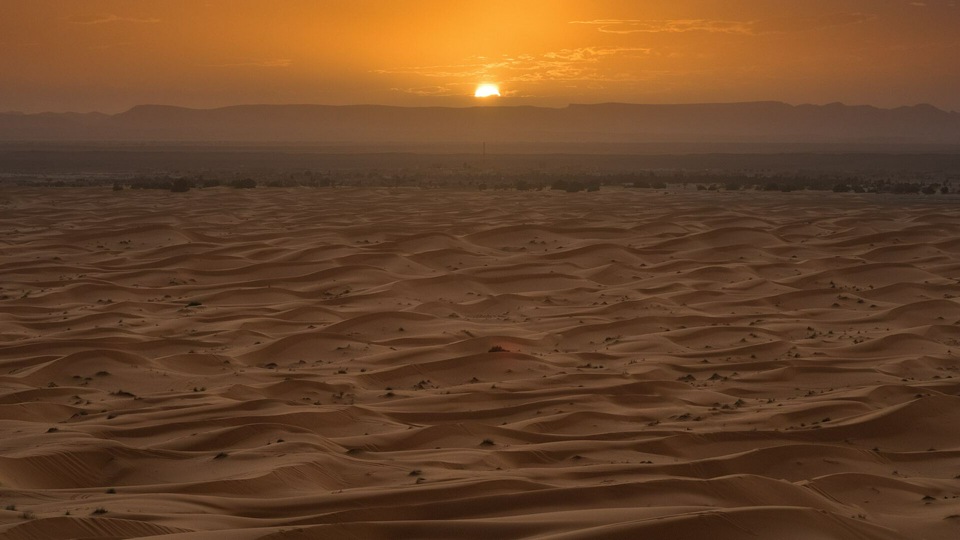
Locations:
(303, 363)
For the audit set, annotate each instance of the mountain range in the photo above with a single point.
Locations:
(754, 122)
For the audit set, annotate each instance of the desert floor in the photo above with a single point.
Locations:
(317, 363)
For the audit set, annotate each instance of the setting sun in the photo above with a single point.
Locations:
(487, 90)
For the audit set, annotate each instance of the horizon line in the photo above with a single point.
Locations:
(482, 106)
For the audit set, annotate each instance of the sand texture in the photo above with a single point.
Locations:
(378, 364)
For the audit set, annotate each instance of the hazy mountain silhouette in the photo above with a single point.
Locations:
(601, 123)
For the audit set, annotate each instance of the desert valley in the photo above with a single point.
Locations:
(401, 363)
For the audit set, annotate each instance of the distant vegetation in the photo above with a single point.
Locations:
(181, 185)
(569, 182)
(246, 183)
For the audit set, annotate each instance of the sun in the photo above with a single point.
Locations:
(487, 90)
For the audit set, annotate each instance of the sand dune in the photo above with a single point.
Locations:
(303, 363)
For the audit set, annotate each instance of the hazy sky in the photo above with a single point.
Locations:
(108, 55)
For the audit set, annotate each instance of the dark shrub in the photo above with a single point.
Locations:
(181, 185)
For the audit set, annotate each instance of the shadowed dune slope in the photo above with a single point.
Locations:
(331, 363)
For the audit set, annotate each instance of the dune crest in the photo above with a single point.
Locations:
(304, 363)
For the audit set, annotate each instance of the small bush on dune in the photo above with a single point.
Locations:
(246, 183)
(181, 185)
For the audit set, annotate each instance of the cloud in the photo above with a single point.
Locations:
(592, 54)
(763, 26)
(427, 91)
(110, 18)
(803, 24)
(635, 26)
(107, 46)
(579, 64)
(439, 71)
(274, 63)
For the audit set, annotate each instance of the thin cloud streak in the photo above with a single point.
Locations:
(430, 91)
(276, 63)
(636, 26)
(579, 64)
(752, 28)
(111, 18)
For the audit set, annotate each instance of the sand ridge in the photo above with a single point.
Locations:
(375, 363)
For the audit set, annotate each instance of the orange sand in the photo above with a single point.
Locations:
(686, 365)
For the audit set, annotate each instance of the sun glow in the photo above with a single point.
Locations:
(487, 90)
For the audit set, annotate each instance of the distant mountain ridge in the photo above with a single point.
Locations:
(760, 122)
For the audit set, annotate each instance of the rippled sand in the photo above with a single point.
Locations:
(268, 363)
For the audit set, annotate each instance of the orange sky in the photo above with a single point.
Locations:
(108, 55)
